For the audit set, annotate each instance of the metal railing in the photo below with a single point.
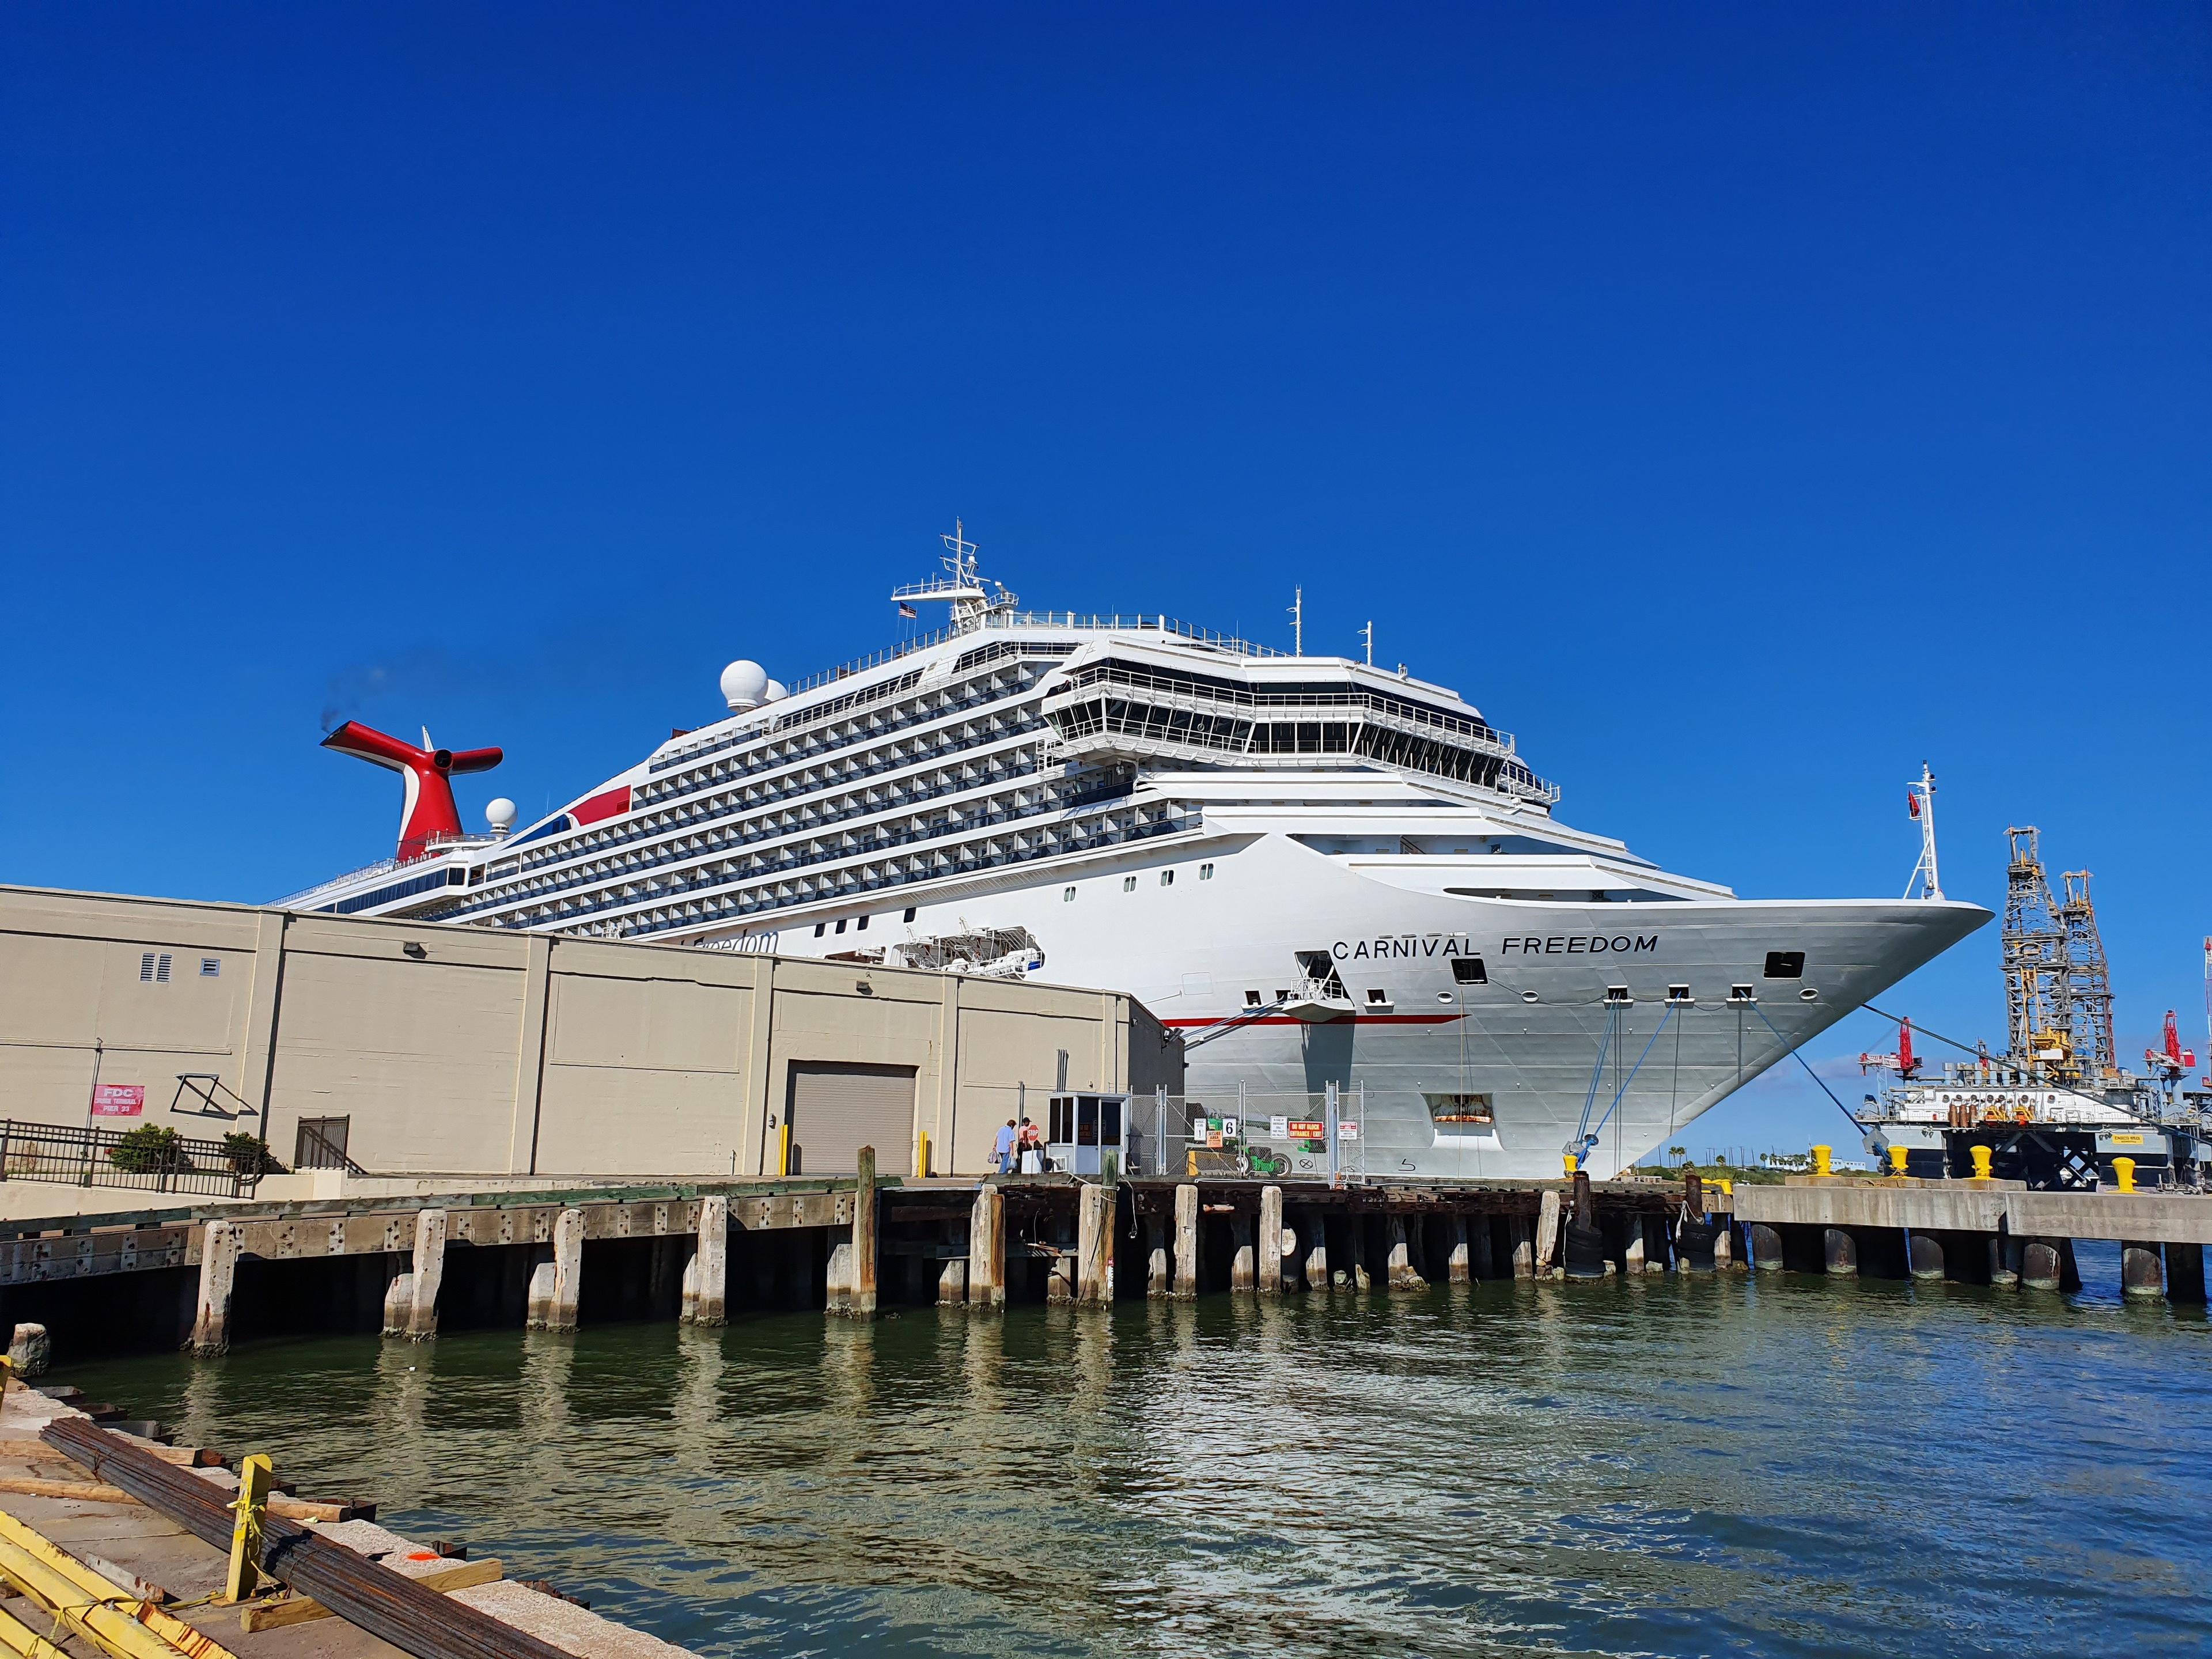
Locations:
(1236, 1133)
(110, 1157)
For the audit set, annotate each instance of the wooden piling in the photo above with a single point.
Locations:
(218, 1276)
(1094, 1243)
(705, 1300)
(952, 1282)
(1632, 1252)
(1402, 1275)
(1481, 1263)
(1187, 1235)
(1315, 1230)
(566, 1280)
(987, 1248)
(1243, 1276)
(1270, 1245)
(1547, 1229)
(1458, 1268)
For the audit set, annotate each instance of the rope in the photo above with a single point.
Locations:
(1667, 1014)
(1597, 1075)
(1858, 1128)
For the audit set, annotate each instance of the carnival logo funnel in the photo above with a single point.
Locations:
(428, 815)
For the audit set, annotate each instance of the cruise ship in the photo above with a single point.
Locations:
(1339, 882)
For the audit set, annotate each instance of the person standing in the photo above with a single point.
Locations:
(1032, 1145)
(1002, 1149)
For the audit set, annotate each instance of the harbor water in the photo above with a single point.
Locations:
(1662, 1467)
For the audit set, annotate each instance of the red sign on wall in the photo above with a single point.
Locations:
(118, 1099)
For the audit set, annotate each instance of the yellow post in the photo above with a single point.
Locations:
(1569, 1158)
(1728, 1189)
(7, 1375)
(252, 1508)
(1981, 1156)
(783, 1149)
(921, 1157)
(2123, 1171)
(1897, 1160)
(1821, 1155)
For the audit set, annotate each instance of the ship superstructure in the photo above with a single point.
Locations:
(1332, 877)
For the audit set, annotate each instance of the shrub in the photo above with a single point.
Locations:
(249, 1155)
(149, 1149)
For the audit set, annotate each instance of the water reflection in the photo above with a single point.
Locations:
(1667, 1466)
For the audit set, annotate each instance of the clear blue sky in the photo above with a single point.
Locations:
(1739, 406)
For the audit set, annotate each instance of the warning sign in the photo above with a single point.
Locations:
(1347, 1130)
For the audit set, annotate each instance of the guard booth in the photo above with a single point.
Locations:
(1083, 1132)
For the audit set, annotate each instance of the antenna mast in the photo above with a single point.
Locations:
(1298, 622)
(1367, 634)
(1920, 801)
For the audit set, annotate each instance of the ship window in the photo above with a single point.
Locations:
(1068, 895)
(1469, 970)
(840, 925)
(1251, 999)
(909, 913)
(210, 966)
(1128, 884)
(1785, 965)
(1206, 873)
(820, 927)
(1167, 878)
(861, 926)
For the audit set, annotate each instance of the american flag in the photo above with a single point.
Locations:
(907, 611)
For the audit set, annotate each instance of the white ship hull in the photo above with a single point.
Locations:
(1528, 1039)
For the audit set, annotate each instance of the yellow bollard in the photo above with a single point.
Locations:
(2123, 1172)
(1897, 1160)
(921, 1158)
(1821, 1155)
(254, 1475)
(1569, 1159)
(1981, 1156)
(783, 1150)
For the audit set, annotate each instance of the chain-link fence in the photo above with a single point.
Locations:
(1247, 1132)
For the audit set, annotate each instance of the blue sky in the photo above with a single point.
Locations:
(1738, 405)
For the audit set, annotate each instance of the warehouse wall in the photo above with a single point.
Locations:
(487, 1053)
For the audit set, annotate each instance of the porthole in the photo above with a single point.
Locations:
(1528, 996)
(1443, 996)
(1809, 995)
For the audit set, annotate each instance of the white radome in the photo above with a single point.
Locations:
(776, 691)
(499, 813)
(744, 683)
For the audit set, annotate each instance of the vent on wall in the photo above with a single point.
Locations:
(155, 969)
(161, 969)
(146, 968)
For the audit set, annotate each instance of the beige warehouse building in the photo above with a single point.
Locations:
(421, 1049)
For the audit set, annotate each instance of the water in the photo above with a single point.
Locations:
(1664, 1467)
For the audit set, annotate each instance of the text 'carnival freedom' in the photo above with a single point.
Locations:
(1414, 946)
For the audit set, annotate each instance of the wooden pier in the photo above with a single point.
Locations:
(852, 1246)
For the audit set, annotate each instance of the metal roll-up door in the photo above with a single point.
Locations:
(835, 1109)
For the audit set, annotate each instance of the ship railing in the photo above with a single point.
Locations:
(165, 1162)
(1078, 620)
(435, 845)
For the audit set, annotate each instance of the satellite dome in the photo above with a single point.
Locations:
(742, 683)
(500, 814)
(776, 691)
